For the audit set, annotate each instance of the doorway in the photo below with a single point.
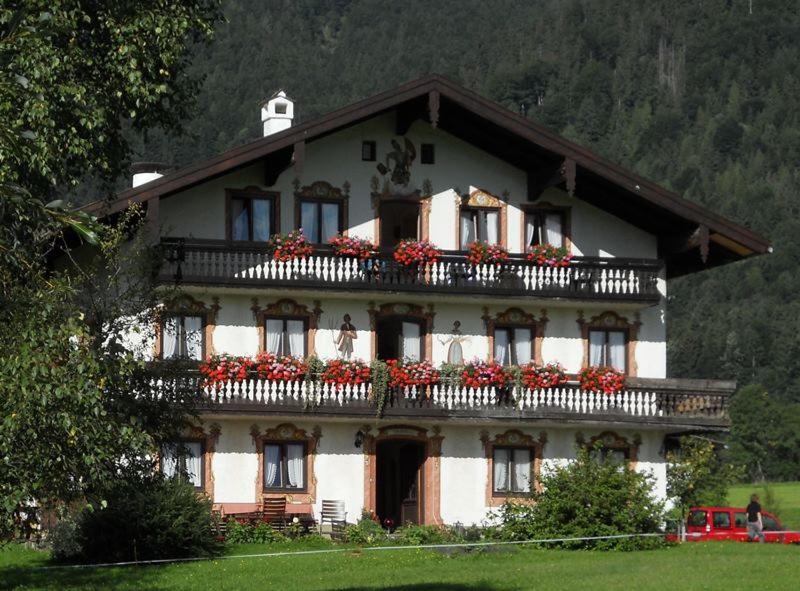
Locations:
(399, 481)
(399, 220)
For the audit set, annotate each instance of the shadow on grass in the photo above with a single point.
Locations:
(132, 577)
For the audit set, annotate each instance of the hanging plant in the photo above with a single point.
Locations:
(284, 368)
(341, 372)
(411, 253)
(479, 374)
(288, 247)
(538, 377)
(481, 253)
(222, 369)
(403, 374)
(601, 379)
(360, 248)
(547, 255)
(379, 391)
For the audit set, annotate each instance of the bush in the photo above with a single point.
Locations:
(422, 535)
(149, 519)
(586, 498)
(366, 531)
(66, 540)
(245, 533)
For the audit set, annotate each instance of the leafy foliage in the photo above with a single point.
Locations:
(245, 533)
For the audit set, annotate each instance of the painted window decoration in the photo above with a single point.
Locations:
(544, 227)
(184, 460)
(512, 470)
(284, 466)
(608, 348)
(182, 337)
(513, 345)
(479, 225)
(252, 218)
(285, 336)
(320, 220)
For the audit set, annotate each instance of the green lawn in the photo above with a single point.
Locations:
(787, 495)
(721, 566)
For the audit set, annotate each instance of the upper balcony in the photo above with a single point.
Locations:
(231, 264)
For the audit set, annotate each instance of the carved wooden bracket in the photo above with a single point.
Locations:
(433, 108)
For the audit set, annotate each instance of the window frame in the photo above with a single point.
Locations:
(282, 443)
(179, 314)
(284, 318)
(427, 153)
(182, 441)
(318, 202)
(606, 347)
(471, 208)
(249, 195)
(400, 319)
(511, 328)
(372, 146)
(531, 209)
(512, 473)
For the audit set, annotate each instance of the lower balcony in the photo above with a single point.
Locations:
(668, 402)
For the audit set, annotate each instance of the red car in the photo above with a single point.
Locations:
(730, 523)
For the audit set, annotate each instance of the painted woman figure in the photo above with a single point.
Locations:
(344, 341)
(455, 350)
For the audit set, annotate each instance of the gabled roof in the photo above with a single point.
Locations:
(683, 227)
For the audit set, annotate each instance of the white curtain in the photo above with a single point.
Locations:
(522, 470)
(501, 345)
(616, 344)
(272, 462)
(467, 229)
(492, 227)
(193, 457)
(262, 215)
(274, 335)
(597, 342)
(294, 464)
(171, 337)
(309, 220)
(169, 460)
(193, 333)
(530, 231)
(330, 221)
(522, 345)
(241, 221)
(411, 341)
(501, 469)
(553, 229)
(296, 337)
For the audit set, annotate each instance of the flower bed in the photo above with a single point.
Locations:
(403, 374)
(481, 253)
(222, 369)
(410, 252)
(280, 368)
(340, 372)
(360, 248)
(601, 379)
(287, 247)
(547, 255)
(541, 377)
(479, 374)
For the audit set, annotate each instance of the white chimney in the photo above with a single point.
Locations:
(277, 113)
(144, 172)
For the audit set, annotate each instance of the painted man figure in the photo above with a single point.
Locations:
(344, 341)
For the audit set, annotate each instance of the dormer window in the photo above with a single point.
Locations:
(479, 224)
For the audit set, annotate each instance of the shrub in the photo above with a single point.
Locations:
(66, 540)
(422, 535)
(366, 531)
(148, 519)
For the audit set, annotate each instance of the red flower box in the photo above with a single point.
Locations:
(403, 374)
(360, 248)
(280, 368)
(542, 377)
(478, 374)
(340, 372)
(481, 253)
(547, 255)
(221, 369)
(410, 253)
(287, 247)
(601, 379)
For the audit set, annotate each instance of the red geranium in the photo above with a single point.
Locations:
(221, 369)
(601, 379)
(541, 377)
(412, 252)
(345, 246)
(340, 372)
(287, 247)
(481, 253)
(411, 373)
(547, 255)
(280, 368)
(478, 374)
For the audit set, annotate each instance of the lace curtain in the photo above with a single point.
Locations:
(522, 470)
(500, 464)
(294, 464)
(522, 345)
(411, 341)
(272, 463)
(296, 338)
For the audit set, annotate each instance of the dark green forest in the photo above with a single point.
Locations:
(700, 96)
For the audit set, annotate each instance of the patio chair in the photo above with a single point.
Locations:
(274, 513)
(334, 513)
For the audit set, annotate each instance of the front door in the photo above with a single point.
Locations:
(399, 220)
(399, 481)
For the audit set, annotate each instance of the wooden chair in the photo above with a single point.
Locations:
(273, 512)
(333, 512)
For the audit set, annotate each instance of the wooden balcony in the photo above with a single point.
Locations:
(249, 265)
(668, 402)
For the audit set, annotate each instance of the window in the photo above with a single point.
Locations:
(608, 347)
(182, 337)
(769, 523)
(399, 338)
(280, 108)
(285, 336)
(609, 454)
(320, 220)
(252, 218)
(722, 520)
(481, 225)
(513, 345)
(427, 154)
(184, 460)
(545, 227)
(368, 151)
(697, 519)
(740, 519)
(511, 470)
(284, 466)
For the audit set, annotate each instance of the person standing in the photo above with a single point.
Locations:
(755, 527)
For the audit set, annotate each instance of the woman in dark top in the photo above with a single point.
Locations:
(755, 528)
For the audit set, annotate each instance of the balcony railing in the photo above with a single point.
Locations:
(668, 401)
(232, 264)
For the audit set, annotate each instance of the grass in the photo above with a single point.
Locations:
(787, 497)
(699, 566)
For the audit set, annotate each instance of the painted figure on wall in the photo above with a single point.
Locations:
(454, 343)
(344, 340)
(399, 162)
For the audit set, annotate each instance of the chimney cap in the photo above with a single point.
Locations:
(152, 166)
(278, 94)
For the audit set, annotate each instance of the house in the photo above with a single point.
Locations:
(432, 161)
